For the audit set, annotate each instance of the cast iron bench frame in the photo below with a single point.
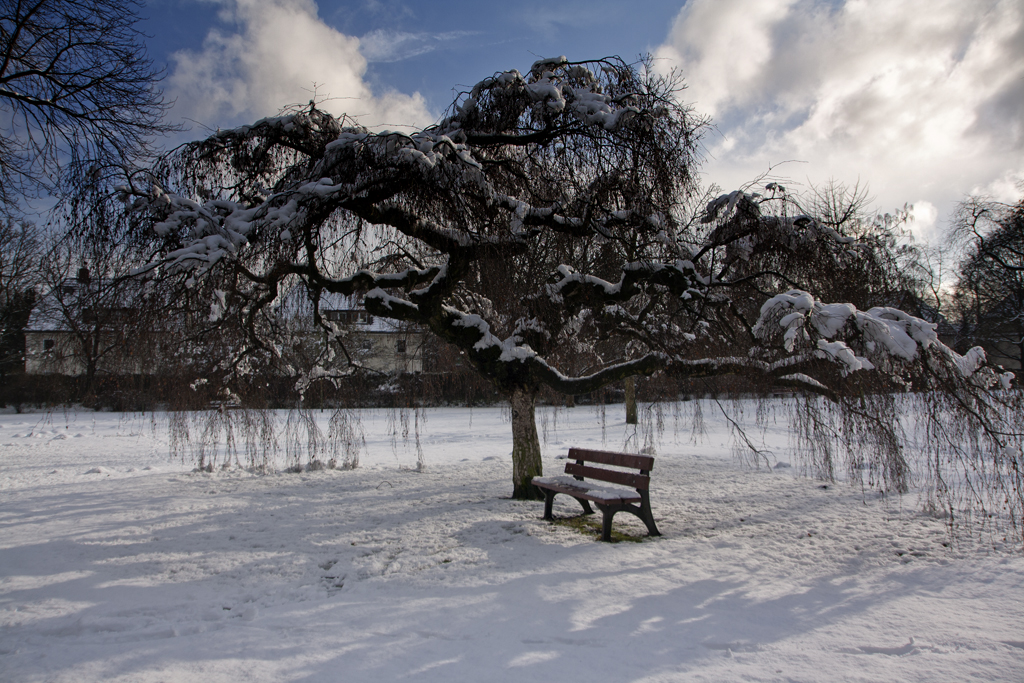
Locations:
(609, 500)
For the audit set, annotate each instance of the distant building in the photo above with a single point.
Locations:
(379, 344)
(82, 322)
(85, 322)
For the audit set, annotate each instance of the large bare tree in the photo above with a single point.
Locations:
(77, 93)
(551, 228)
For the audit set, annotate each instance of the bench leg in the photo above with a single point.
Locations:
(643, 511)
(646, 515)
(549, 499)
(606, 525)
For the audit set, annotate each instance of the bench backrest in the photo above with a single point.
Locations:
(640, 481)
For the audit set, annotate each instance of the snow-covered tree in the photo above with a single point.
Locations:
(550, 226)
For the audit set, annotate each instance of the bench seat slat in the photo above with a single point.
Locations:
(638, 462)
(636, 481)
(584, 489)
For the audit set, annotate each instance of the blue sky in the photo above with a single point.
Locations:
(433, 47)
(921, 100)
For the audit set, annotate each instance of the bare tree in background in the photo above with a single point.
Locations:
(100, 293)
(990, 283)
(77, 94)
(20, 275)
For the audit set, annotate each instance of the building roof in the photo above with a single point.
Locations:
(296, 303)
(75, 295)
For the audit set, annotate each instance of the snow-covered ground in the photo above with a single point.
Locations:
(118, 564)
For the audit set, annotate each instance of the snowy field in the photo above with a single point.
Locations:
(119, 564)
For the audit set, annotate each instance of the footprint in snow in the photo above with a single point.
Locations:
(246, 612)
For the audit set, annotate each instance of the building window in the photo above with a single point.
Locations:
(349, 317)
(400, 346)
(48, 344)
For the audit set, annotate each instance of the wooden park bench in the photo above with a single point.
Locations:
(609, 499)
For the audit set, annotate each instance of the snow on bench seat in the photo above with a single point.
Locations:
(595, 491)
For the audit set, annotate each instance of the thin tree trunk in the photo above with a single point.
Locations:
(88, 396)
(631, 401)
(526, 462)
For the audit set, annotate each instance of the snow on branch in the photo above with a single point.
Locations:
(743, 227)
(883, 333)
(680, 278)
(557, 95)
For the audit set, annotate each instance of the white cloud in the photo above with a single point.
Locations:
(281, 54)
(1008, 188)
(924, 218)
(917, 98)
(394, 46)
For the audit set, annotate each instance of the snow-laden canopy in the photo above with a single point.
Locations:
(549, 226)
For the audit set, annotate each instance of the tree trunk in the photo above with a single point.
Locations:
(526, 463)
(631, 401)
(88, 394)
